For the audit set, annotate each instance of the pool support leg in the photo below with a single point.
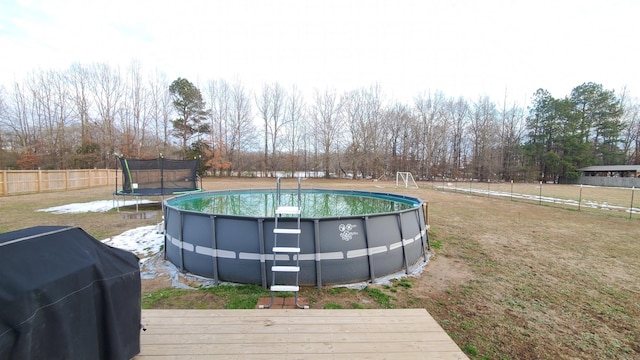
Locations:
(404, 248)
(316, 233)
(214, 243)
(263, 263)
(422, 237)
(372, 275)
(164, 250)
(181, 238)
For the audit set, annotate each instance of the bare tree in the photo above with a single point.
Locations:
(397, 124)
(271, 106)
(309, 144)
(631, 131)
(277, 122)
(264, 104)
(107, 90)
(51, 104)
(242, 133)
(356, 120)
(363, 112)
(293, 126)
(134, 119)
(160, 112)
(430, 110)
(325, 112)
(483, 132)
(458, 112)
(511, 132)
(219, 95)
(19, 120)
(79, 78)
(633, 121)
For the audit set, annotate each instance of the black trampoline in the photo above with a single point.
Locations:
(156, 177)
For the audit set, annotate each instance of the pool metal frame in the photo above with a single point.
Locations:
(334, 250)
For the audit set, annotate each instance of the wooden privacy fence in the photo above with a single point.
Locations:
(14, 182)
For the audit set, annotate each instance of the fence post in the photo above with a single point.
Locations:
(425, 207)
(5, 186)
(580, 201)
(540, 197)
(633, 190)
(511, 196)
(39, 181)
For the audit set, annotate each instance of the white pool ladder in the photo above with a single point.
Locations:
(286, 248)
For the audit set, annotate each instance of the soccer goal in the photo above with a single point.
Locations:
(405, 178)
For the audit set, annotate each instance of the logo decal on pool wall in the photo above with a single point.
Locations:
(346, 231)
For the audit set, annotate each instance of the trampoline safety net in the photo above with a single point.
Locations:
(158, 176)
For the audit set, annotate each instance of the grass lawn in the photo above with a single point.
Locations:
(509, 279)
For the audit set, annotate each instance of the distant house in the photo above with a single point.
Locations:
(611, 175)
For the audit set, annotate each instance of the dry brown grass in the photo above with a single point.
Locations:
(542, 282)
(509, 279)
(20, 211)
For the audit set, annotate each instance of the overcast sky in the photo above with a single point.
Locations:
(466, 48)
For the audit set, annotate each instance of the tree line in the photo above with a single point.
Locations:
(80, 116)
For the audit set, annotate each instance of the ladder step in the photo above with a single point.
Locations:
(288, 210)
(285, 268)
(286, 231)
(283, 249)
(284, 288)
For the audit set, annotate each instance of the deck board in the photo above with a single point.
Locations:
(294, 334)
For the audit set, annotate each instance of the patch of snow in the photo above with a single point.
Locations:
(93, 206)
(156, 265)
(144, 241)
(586, 203)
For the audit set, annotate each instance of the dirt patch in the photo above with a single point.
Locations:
(441, 274)
(161, 280)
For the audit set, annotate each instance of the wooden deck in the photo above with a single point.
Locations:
(294, 334)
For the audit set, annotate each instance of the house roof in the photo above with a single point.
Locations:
(611, 168)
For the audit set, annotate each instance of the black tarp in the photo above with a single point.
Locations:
(66, 295)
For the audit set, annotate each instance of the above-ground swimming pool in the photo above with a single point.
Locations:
(346, 236)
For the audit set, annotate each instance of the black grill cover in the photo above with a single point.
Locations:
(66, 295)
